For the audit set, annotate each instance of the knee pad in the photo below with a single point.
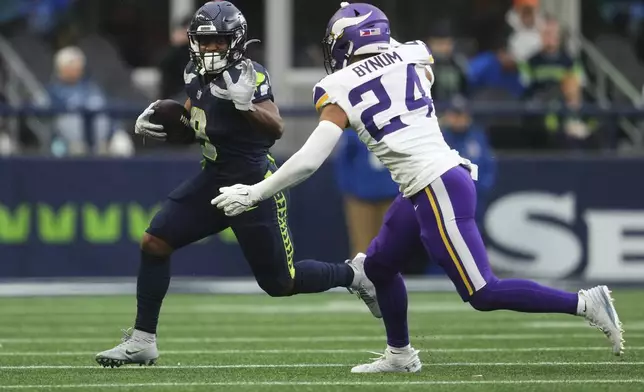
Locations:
(155, 246)
(483, 300)
(276, 287)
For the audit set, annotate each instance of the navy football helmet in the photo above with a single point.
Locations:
(213, 21)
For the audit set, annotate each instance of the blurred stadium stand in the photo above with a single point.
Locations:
(123, 49)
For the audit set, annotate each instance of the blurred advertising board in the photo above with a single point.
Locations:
(549, 218)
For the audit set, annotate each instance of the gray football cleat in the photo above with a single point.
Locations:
(362, 286)
(132, 350)
(600, 312)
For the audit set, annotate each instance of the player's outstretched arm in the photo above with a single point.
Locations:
(308, 159)
(238, 198)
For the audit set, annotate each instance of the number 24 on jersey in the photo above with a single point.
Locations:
(376, 86)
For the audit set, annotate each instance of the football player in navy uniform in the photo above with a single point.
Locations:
(236, 122)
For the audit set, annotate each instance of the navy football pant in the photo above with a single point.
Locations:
(263, 233)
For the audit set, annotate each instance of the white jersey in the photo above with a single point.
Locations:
(388, 102)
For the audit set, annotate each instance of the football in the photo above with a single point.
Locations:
(175, 120)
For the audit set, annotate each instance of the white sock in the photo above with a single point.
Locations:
(148, 337)
(399, 349)
(581, 306)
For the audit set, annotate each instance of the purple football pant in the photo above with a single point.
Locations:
(442, 217)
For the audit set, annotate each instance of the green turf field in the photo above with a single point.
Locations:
(309, 343)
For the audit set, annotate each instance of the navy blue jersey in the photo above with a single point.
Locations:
(546, 71)
(233, 149)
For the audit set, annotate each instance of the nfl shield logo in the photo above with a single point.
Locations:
(370, 32)
(199, 94)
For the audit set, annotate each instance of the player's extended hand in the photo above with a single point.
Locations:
(242, 92)
(236, 199)
(144, 127)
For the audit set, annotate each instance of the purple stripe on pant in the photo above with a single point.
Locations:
(442, 217)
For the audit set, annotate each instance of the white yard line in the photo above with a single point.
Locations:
(320, 365)
(320, 351)
(228, 328)
(180, 352)
(322, 339)
(185, 367)
(322, 383)
(351, 306)
(633, 325)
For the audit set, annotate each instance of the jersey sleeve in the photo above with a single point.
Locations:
(191, 81)
(322, 96)
(189, 73)
(264, 90)
(420, 52)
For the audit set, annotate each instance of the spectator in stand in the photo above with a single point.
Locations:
(551, 66)
(495, 69)
(471, 141)
(553, 76)
(525, 20)
(450, 67)
(71, 89)
(174, 62)
(367, 188)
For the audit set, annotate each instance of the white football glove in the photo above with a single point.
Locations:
(242, 92)
(236, 199)
(144, 127)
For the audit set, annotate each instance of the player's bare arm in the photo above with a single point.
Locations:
(266, 117)
(263, 115)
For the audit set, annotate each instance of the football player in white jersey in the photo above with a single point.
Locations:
(383, 92)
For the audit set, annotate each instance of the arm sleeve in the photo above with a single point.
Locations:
(304, 162)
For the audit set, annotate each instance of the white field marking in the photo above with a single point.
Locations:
(321, 383)
(300, 326)
(217, 328)
(320, 365)
(182, 352)
(576, 324)
(318, 339)
(314, 351)
(331, 307)
(133, 367)
(312, 308)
